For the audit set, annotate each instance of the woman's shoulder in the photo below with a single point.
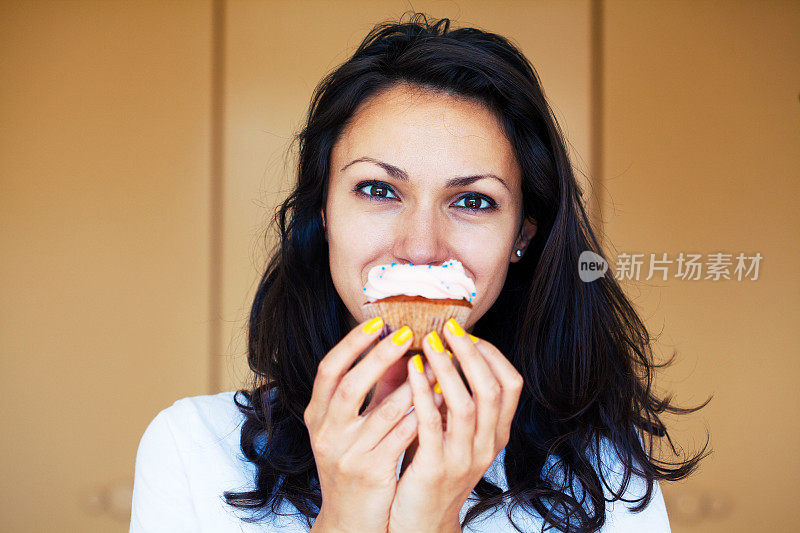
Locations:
(619, 517)
(206, 406)
(188, 454)
(198, 422)
(623, 490)
(631, 489)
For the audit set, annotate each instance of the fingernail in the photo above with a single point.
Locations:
(373, 325)
(436, 342)
(454, 327)
(436, 388)
(449, 354)
(473, 338)
(417, 360)
(402, 335)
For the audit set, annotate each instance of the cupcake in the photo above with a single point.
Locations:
(422, 297)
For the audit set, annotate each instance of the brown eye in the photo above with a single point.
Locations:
(474, 202)
(376, 190)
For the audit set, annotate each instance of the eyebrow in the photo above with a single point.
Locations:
(400, 174)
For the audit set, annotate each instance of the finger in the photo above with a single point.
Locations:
(484, 385)
(392, 379)
(376, 424)
(338, 360)
(355, 385)
(460, 430)
(511, 382)
(396, 441)
(438, 399)
(430, 421)
(386, 386)
(459, 370)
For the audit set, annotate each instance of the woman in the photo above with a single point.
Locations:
(429, 144)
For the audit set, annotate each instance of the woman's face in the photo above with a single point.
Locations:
(422, 177)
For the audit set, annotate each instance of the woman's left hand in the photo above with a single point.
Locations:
(449, 462)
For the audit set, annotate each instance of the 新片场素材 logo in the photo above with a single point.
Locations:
(690, 266)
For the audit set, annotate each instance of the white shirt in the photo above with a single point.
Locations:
(190, 454)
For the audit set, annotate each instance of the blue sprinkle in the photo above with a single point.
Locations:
(393, 264)
(474, 294)
(410, 263)
(448, 286)
(380, 276)
(365, 288)
(444, 265)
(383, 268)
(429, 266)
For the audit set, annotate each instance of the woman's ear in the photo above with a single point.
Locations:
(526, 233)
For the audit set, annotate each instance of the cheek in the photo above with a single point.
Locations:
(485, 254)
(482, 246)
(487, 261)
(353, 236)
(353, 240)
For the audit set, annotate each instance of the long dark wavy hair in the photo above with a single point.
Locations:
(583, 352)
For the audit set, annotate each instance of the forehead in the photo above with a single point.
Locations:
(427, 134)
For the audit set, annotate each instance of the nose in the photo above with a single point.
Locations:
(420, 237)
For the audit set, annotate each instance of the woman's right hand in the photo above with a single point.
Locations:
(357, 455)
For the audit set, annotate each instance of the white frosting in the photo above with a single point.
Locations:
(444, 281)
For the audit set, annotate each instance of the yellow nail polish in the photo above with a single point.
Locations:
(437, 389)
(449, 354)
(373, 325)
(435, 341)
(402, 335)
(417, 360)
(474, 338)
(455, 328)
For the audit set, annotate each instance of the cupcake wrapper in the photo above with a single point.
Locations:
(421, 317)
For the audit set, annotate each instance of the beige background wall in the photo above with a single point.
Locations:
(104, 224)
(702, 155)
(115, 217)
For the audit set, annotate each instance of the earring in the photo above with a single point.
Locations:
(519, 253)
